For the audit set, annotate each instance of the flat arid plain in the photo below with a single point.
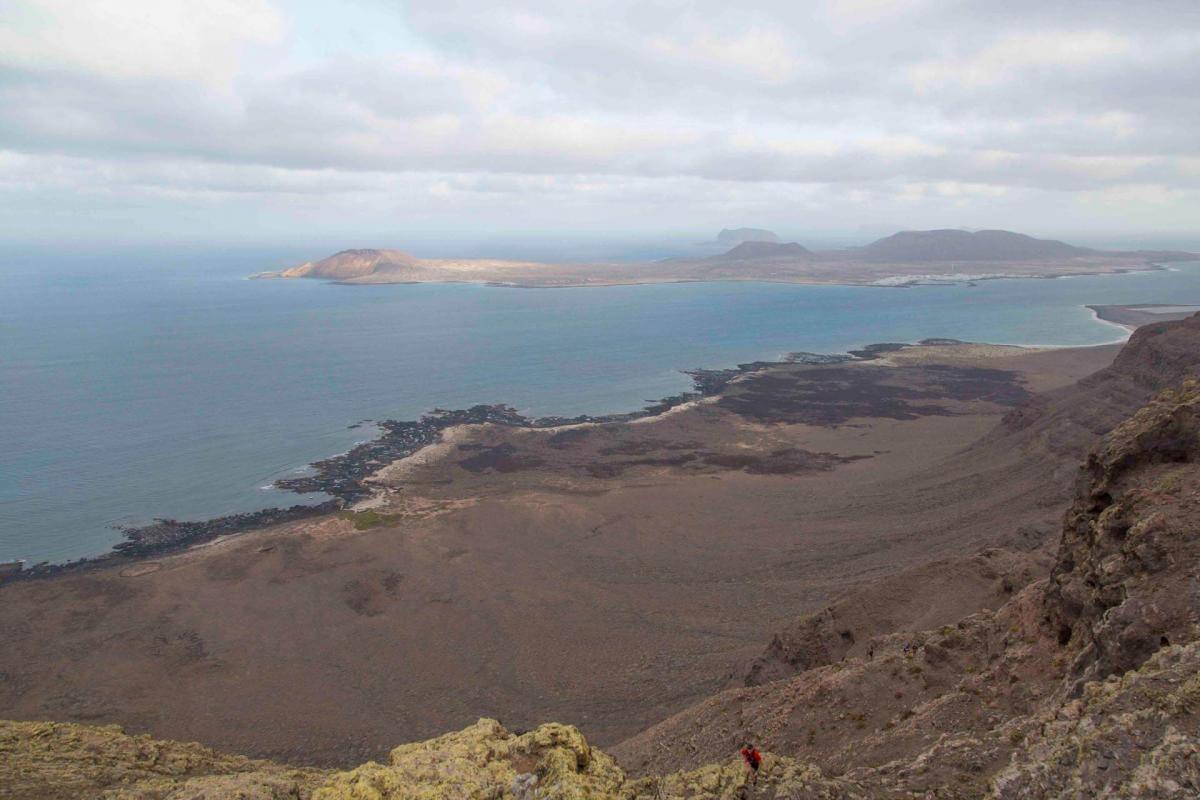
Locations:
(608, 575)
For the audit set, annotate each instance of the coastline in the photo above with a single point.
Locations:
(904, 280)
(523, 548)
(345, 477)
(1130, 317)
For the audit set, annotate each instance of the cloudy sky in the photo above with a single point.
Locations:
(262, 119)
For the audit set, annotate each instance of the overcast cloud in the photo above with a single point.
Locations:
(251, 118)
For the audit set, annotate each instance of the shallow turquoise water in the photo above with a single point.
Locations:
(142, 384)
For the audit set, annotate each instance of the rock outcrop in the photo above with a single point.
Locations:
(485, 761)
(65, 761)
(1133, 736)
(47, 761)
(1125, 582)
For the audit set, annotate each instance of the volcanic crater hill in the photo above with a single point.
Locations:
(1083, 684)
(348, 265)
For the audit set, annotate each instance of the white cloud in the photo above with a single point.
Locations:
(865, 12)
(1004, 60)
(125, 39)
(760, 54)
(863, 105)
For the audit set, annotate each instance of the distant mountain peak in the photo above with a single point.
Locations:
(748, 250)
(739, 235)
(950, 244)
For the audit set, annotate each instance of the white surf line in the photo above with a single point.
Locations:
(1127, 329)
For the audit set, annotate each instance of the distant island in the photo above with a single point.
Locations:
(735, 236)
(902, 259)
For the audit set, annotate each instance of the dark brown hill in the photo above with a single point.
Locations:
(755, 250)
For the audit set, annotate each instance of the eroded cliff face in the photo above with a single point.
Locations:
(1125, 583)
(1084, 684)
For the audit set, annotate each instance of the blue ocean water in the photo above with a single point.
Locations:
(137, 383)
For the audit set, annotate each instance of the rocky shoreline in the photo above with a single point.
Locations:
(343, 477)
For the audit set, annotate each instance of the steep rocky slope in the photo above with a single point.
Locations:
(1034, 438)
(929, 596)
(955, 706)
(1085, 684)
(1157, 356)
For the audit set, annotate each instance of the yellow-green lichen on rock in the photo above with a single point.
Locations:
(56, 761)
(486, 762)
(779, 777)
(555, 762)
(52, 760)
(1130, 736)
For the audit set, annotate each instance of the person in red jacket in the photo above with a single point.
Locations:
(753, 760)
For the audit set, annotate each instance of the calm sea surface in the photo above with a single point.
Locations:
(138, 384)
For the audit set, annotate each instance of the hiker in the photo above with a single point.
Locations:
(753, 759)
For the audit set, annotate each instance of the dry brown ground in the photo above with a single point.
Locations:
(607, 578)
